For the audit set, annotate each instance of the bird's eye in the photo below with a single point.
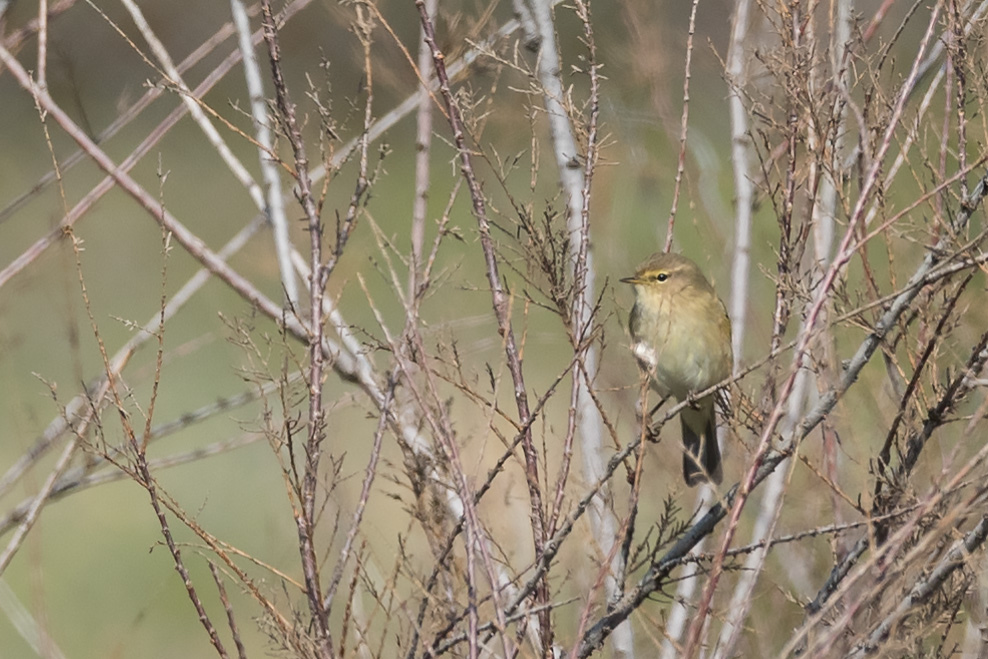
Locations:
(661, 276)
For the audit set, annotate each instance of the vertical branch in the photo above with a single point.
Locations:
(305, 519)
(584, 417)
(231, 620)
(825, 210)
(959, 56)
(141, 472)
(437, 418)
(365, 491)
(744, 192)
(275, 207)
(423, 149)
(741, 164)
(500, 301)
(411, 348)
(822, 212)
(683, 127)
(144, 478)
(576, 186)
(362, 28)
(845, 251)
(42, 75)
(686, 588)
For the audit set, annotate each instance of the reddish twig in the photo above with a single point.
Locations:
(306, 520)
(501, 305)
(683, 127)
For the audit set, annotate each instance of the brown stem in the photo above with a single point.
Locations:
(501, 306)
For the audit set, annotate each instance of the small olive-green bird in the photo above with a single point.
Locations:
(682, 339)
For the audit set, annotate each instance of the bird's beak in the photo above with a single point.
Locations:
(631, 280)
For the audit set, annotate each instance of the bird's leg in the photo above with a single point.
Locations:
(652, 432)
(653, 429)
(645, 422)
(692, 401)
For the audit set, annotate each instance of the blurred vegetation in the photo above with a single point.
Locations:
(94, 577)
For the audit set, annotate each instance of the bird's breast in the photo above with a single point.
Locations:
(686, 349)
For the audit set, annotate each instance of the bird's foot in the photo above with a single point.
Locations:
(652, 431)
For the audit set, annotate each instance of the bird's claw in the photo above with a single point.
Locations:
(652, 433)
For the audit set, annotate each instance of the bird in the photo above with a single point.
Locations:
(681, 337)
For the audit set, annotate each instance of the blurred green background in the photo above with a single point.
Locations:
(93, 571)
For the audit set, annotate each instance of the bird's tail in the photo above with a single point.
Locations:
(701, 457)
